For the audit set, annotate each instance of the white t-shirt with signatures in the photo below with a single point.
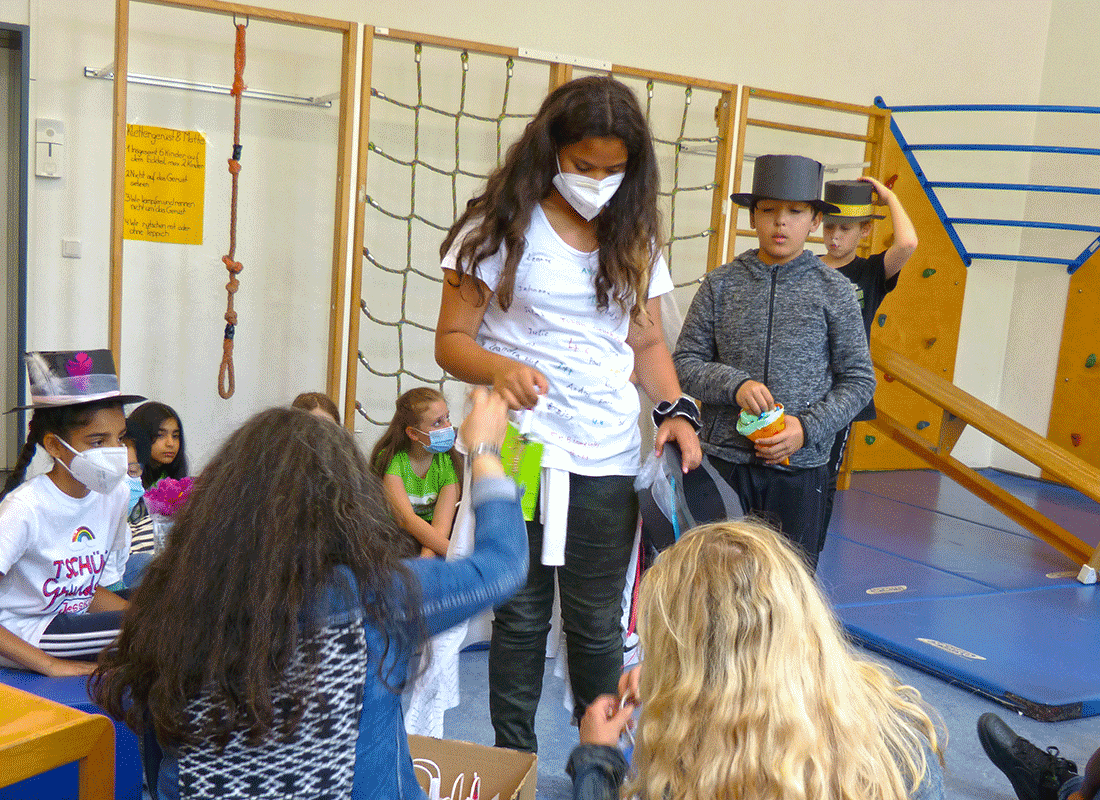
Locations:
(55, 550)
(591, 411)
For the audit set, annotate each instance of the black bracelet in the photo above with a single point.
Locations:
(684, 407)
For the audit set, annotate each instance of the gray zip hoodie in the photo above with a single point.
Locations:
(794, 327)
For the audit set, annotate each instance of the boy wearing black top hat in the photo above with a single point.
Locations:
(777, 325)
(874, 277)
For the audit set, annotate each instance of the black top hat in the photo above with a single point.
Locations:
(795, 178)
(853, 198)
(71, 377)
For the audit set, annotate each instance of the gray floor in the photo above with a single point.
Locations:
(969, 773)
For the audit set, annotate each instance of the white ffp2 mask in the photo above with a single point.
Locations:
(98, 468)
(587, 195)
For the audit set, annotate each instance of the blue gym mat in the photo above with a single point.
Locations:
(927, 574)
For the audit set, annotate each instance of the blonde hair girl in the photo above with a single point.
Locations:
(751, 689)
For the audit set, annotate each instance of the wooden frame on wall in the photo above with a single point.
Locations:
(348, 31)
(877, 121)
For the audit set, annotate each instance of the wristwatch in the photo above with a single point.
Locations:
(481, 448)
(684, 407)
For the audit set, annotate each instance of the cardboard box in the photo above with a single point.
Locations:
(507, 773)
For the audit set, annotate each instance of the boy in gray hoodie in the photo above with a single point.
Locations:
(776, 324)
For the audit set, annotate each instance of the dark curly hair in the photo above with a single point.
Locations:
(223, 610)
(627, 229)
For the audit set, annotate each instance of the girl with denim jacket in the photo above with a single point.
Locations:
(267, 647)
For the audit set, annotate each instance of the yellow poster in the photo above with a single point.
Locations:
(165, 176)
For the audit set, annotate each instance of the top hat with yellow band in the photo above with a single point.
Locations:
(853, 198)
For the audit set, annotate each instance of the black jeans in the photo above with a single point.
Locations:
(791, 500)
(835, 459)
(603, 516)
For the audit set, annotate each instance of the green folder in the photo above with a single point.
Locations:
(522, 461)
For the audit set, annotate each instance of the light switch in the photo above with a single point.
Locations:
(70, 248)
(49, 147)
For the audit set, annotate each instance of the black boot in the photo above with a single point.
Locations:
(1035, 774)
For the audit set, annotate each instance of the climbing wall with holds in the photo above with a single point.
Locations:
(919, 319)
(1073, 409)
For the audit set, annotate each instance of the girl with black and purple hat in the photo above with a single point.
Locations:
(63, 534)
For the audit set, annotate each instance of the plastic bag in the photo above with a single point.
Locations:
(671, 502)
(656, 479)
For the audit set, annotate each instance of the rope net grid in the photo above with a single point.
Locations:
(441, 120)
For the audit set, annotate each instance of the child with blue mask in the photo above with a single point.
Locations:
(137, 517)
(419, 479)
(133, 475)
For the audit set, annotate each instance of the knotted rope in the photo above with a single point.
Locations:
(234, 267)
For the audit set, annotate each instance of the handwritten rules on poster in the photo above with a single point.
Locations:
(165, 176)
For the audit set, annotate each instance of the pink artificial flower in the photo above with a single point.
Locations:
(79, 368)
(168, 495)
(80, 364)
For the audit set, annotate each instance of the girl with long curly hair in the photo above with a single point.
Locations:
(751, 690)
(265, 650)
(551, 287)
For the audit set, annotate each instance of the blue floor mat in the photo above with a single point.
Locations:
(853, 573)
(1034, 651)
(950, 544)
(927, 577)
(929, 489)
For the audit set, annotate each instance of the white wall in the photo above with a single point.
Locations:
(173, 295)
(937, 51)
(1071, 76)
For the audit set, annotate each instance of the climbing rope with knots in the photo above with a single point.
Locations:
(226, 383)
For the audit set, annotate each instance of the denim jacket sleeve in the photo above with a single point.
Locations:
(597, 771)
(454, 591)
(931, 785)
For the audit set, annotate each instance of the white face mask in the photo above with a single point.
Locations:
(98, 468)
(587, 195)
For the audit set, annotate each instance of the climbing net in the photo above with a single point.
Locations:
(440, 121)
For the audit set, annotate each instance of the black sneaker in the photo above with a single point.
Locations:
(1035, 774)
